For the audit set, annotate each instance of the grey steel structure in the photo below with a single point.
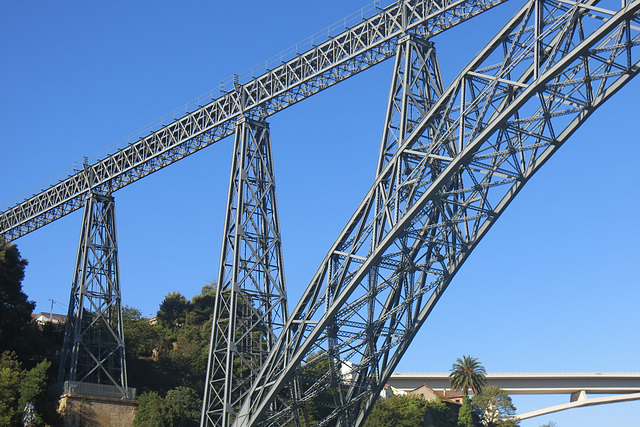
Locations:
(326, 64)
(93, 351)
(250, 306)
(415, 87)
(509, 110)
(452, 160)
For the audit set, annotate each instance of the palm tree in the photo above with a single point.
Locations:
(468, 374)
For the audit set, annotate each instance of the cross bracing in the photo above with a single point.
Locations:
(250, 306)
(93, 351)
(485, 165)
(344, 55)
(508, 111)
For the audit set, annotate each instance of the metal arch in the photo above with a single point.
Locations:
(522, 97)
(326, 64)
(250, 307)
(415, 87)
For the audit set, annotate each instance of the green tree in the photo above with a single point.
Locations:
(179, 408)
(438, 414)
(141, 338)
(494, 408)
(465, 415)
(33, 385)
(398, 411)
(20, 386)
(9, 388)
(316, 365)
(151, 410)
(15, 310)
(174, 352)
(202, 305)
(468, 374)
(173, 310)
(183, 407)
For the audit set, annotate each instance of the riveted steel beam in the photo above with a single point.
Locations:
(93, 353)
(356, 49)
(519, 100)
(250, 308)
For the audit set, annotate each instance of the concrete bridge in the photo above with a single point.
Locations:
(621, 386)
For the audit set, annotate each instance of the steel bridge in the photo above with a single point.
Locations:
(452, 159)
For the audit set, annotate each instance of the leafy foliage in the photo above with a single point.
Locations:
(468, 374)
(174, 352)
(19, 386)
(183, 406)
(398, 411)
(316, 365)
(465, 415)
(168, 359)
(141, 338)
(438, 414)
(15, 310)
(180, 408)
(151, 410)
(494, 408)
(411, 410)
(173, 311)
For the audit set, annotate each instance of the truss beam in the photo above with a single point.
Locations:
(518, 101)
(250, 307)
(326, 64)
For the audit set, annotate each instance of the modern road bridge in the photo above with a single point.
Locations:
(452, 160)
(533, 383)
(622, 387)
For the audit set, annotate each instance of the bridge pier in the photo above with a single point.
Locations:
(79, 410)
(93, 353)
(250, 308)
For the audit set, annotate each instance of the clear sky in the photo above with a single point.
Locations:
(552, 288)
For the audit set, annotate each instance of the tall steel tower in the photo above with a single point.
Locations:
(349, 355)
(451, 162)
(93, 355)
(507, 112)
(250, 306)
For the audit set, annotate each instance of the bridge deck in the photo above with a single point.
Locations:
(533, 383)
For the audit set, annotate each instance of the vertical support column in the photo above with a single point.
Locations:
(415, 87)
(93, 354)
(250, 308)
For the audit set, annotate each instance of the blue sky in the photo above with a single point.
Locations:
(552, 287)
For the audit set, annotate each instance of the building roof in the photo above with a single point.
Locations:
(42, 318)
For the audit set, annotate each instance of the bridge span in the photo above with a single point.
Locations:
(622, 387)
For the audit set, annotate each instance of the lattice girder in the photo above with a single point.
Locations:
(356, 49)
(521, 98)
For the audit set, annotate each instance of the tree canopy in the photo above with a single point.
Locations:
(468, 374)
(494, 408)
(398, 411)
(20, 386)
(465, 415)
(15, 309)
